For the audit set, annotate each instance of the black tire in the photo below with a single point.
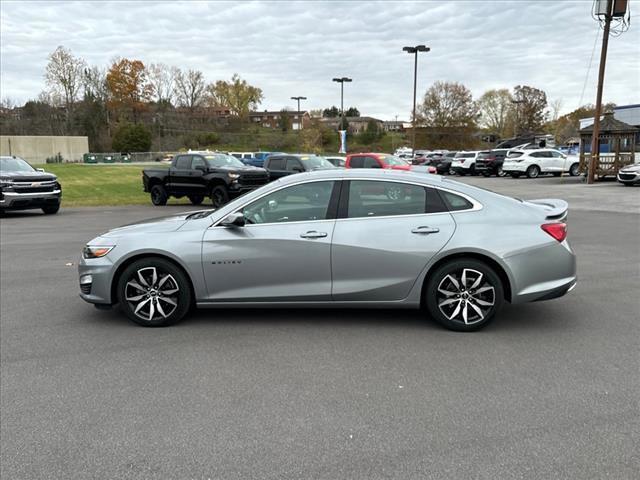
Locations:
(472, 169)
(196, 199)
(219, 196)
(51, 209)
(159, 195)
(157, 309)
(557, 174)
(574, 170)
(450, 315)
(533, 171)
(500, 173)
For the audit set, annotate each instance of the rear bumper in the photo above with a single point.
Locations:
(514, 167)
(544, 273)
(24, 201)
(460, 169)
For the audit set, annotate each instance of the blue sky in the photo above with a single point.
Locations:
(295, 48)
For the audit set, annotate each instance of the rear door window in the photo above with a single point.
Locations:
(370, 162)
(275, 163)
(370, 198)
(183, 162)
(294, 165)
(356, 162)
(198, 162)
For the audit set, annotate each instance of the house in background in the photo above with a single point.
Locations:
(271, 119)
(356, 124)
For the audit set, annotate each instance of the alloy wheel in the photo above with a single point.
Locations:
(151, 294)
(465, 296)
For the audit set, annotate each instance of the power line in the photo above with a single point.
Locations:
(586, 78)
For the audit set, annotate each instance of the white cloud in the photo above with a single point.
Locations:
(295, 48)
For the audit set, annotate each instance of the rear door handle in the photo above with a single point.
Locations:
(425, 230)
(313, 234)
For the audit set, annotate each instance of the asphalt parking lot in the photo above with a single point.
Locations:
(549, 390)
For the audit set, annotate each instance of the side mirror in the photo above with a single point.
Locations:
(234, 220)
(41, 170)
(297, 169)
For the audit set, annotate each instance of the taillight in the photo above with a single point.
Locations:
(556, 230)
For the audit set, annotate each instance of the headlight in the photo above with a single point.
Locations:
(6, 183)
(234, 176)
(96, 251)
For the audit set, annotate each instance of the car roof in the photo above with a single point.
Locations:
(366, 173)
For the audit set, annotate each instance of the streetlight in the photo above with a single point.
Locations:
(516, 124)
(341, 81)
(415, 50)
(299, 116)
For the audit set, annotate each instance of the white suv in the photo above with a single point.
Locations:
(534, 162)
(464, 162)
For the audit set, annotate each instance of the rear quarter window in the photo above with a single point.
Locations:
(455, 202)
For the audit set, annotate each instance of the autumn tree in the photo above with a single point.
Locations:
(128, 86)
(495, 107)
(63, 76)
(236, 95)
(448, 104)
(190, 88)
(530, 106)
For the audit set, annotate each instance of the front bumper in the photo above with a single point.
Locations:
(24, 201)
(100, 271)
(631, 178)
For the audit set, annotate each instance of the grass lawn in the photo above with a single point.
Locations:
(96, 185)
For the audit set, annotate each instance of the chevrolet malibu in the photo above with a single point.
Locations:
(337, 238)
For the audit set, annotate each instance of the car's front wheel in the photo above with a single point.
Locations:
(574, 170)
(219, 196)
(51, 209)
(464, 294)
(154, 292)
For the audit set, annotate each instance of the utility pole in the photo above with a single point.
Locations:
(595, 140)
(414, 51)
(341, 81)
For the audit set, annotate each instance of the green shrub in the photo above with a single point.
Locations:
(131, 138)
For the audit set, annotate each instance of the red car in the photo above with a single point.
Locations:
(379, 160)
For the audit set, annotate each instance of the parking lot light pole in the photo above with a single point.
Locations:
(299, 116)
(341, 81)
(414, 51)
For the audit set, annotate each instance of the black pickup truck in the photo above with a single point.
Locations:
(197, 175)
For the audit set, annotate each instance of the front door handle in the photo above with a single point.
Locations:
(425, 230)
(313, 234)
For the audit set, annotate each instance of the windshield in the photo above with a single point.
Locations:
(316, 163)
(222, 160)
(391, 160)
(10, 164)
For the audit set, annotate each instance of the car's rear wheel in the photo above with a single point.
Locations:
(196, 199)
(219, 196)
(574, 170)
(464, 294)
(159, 195)
(500, 173)
(154, 292)
(533, 171)
(51, 209)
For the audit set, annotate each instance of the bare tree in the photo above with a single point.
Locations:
(95, 83)
(64, 76)
(555, 106)
(190, 88)
(162, 77)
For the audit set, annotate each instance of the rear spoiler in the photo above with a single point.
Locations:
(554, 208)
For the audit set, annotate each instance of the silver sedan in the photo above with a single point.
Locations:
(339, 238)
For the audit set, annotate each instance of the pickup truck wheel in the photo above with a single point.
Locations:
(51, 209)
(159, 195)
(196, 199)
(219, 196)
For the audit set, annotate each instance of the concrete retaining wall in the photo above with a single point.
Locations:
(36, 149)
